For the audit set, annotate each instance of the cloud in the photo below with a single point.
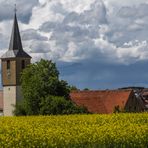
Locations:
(74, 31)
(129, 23)
(32, 34)
(23, 6)
(100, 75)
(94, 16)
(117, 4)
(108, 32)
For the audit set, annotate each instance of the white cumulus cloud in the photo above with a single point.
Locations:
(74, 30)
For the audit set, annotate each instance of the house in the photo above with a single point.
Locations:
(144, 95)
(104, 101)
(107, 101)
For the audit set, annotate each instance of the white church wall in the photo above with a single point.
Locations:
(11, 95)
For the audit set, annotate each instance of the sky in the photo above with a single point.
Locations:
(96, 44)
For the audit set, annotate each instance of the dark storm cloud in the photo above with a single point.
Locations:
(105, 76)
(24, 8)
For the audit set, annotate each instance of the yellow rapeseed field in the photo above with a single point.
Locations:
(92, 131)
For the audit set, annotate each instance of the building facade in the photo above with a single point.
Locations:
(13, 62)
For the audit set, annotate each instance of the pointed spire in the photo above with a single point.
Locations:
(15, 9)
(15, 46)
(15, 41)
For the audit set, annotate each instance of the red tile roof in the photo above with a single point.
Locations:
(1, 100)
(102, 102)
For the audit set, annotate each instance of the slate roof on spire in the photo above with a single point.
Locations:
(15, 41)
(15, 46)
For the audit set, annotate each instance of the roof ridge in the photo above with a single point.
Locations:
(103, 90)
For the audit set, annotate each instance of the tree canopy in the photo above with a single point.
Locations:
(43, 91)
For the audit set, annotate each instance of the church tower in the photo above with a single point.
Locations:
(13, 62)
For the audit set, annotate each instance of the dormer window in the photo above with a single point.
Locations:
(23, 64)
(8, 64)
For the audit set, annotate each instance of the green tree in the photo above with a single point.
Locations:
(86, 89)
(39, 82)
(73, 88)
(54, 105)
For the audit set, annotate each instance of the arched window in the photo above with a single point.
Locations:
(23, 64)
(8, 64)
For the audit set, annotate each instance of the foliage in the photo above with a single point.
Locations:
(40, 81)
(53, 105)
(73, 88)
(86, 89)
(118, 109)
(100, 131)
(20, 110)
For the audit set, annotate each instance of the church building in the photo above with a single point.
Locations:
(13, 62)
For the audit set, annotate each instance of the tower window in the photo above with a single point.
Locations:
(8, 64)
(23, 64)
